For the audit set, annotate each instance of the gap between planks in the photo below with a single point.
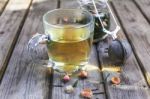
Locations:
(23, 78)
(139, 90)
(144, 6)
(137, 34)
(12, 33)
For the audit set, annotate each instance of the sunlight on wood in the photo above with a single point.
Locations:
(19, 5)
(39, 1)
(90, 67)
(148, 77)
(22, 4)
(111, 68)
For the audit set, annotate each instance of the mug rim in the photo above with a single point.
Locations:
(56, 26)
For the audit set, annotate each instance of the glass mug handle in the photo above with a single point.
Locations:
(37, 49)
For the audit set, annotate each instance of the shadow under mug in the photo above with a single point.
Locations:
(68, 38)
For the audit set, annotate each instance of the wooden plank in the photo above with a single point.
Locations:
(137, 30)
(23, 79)
(133, 84)
(11, 22)
(69, 4)
(93, 70)
(3, 3)
(144, 6)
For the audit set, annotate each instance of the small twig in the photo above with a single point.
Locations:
(107, 77)
(75, 83)
(98, 93)
(95, 89)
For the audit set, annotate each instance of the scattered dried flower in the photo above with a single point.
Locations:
(65, 19)
(115, 80)
(66, 78)
(83, 74)
(86, 93)
(69, 89)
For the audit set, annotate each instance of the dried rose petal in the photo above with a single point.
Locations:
(83, 74)
(65, 19)
(87, 93)
(115, 80)
(66, 78)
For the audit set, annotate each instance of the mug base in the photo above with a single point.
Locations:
(68, 68)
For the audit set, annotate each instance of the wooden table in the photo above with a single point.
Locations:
(20, 78)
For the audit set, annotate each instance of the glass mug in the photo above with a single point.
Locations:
(68, 37)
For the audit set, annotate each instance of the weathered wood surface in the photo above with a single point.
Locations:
(130, 74)
(133, 85)
(137, 30)
(144, 6)
(93, 81)
(23, 79)
(3, 3)
(94, 78)
(11, 21)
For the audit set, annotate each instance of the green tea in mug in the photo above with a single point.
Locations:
(69, 45)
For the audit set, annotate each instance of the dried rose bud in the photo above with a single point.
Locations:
(65, 19)
(66, 78)
(83, 74)
(115, 80)
(69, 89)
(86, 93)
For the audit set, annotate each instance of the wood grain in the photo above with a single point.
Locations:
(133, 85)
(11, 22)
(130, 74)
(137, 30)
(69, 4)
(94, 77)
(144, 6)
(3, 3)
(23, 78)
